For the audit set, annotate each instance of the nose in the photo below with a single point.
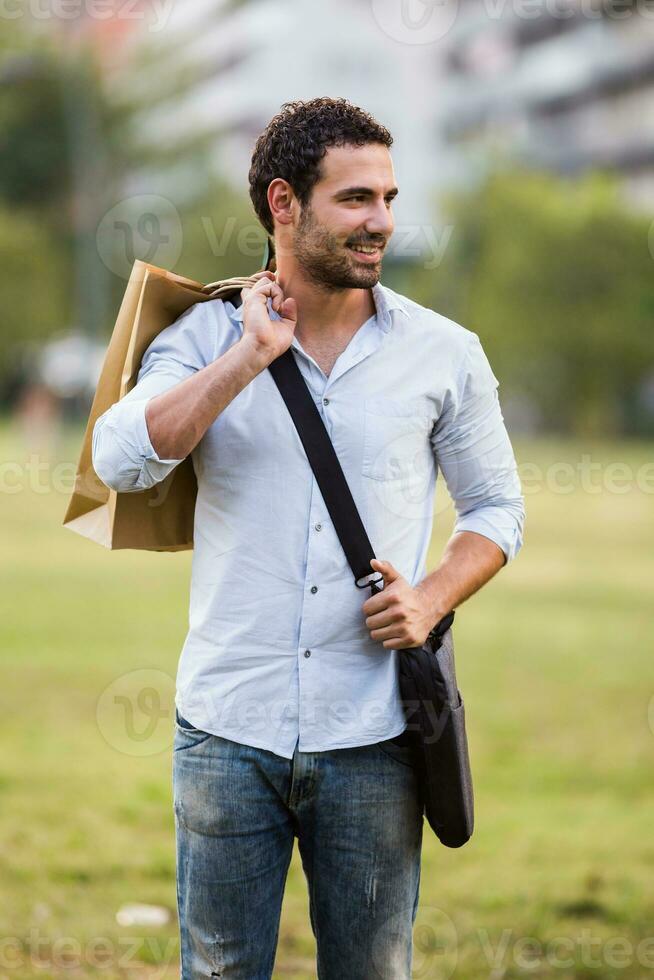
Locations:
(380, 220)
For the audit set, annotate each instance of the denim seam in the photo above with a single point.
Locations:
(218, 958)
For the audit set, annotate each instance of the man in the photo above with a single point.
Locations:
(288, 705)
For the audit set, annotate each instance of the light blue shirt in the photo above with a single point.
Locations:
(277, 648)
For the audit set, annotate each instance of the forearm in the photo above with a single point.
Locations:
(178, 418)
(468, 562)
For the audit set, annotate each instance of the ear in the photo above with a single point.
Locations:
(280, 201)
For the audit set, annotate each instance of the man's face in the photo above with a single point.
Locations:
(343, 230)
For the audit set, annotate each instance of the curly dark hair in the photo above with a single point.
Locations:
(295, 141)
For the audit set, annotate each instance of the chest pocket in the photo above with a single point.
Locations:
(396, 442)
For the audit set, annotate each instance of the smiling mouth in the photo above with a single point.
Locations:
(368, 253)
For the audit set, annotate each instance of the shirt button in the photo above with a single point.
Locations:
(314, 589)
(325, 401)
(307, 653)
(318, 527)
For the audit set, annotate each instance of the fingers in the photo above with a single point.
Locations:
(263, 274)
(259, 276)
(266, 289)
(386, 568)
(288, 309)
(382, 620)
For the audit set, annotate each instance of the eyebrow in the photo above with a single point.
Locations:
(366, 191)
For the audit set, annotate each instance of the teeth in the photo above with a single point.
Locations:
(364, 248)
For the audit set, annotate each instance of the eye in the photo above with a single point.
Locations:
(356, 197)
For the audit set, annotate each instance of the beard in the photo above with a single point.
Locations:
(326, 260)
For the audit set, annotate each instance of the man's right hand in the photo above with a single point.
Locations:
(268, 338)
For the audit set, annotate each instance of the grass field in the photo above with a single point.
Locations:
(555, 659)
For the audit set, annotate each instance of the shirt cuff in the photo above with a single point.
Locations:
(500, 527)
(139, 427)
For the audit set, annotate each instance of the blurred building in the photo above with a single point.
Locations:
(219, 71)
(561, 84)
(566, 86)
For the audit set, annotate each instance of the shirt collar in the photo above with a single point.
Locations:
(386, 302)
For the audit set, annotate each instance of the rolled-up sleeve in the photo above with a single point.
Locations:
(474, 453)
(122, 454)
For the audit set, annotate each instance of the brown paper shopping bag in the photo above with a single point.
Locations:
(161, 518)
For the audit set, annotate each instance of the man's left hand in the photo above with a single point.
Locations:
(400, 615)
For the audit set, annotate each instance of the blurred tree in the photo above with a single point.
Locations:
(34, 169)
(69, 156)
(35, 303)
(556, 278)
(54, 172)
(221, 236)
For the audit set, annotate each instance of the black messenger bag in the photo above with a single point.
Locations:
(432, 702)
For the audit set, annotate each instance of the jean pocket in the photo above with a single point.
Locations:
(404, 754)
(186, 734)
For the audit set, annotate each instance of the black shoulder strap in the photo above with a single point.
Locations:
(326, 467)
(331, 480)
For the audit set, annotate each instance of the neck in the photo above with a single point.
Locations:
(322, 311)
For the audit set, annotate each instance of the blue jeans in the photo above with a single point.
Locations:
(358, 821)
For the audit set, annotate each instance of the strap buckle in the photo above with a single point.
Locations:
(370, 583)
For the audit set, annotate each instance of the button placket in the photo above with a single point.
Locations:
(311, 616)
(368, 338)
